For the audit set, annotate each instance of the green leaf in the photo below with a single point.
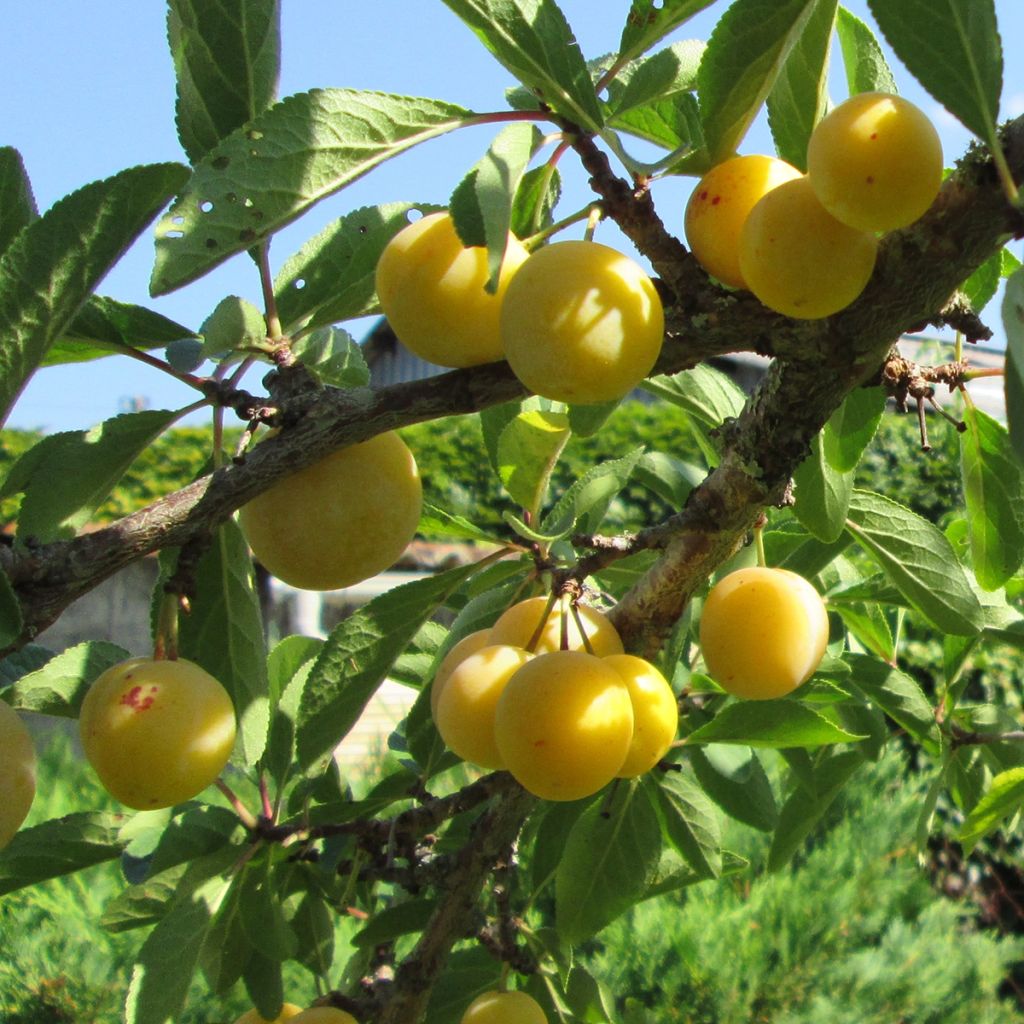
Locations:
(493, 422)
(1013, 371)
(952, 48)
(584, 504)
(799, 99)
(59, 686)
(313, 925)
(234, 324)
(144, 903)
(225, 949)
(980, 288)
(356, 658)
(866, 67)
(438, 521)
(788, 545)
(262, 915)
(57, 261)
(655, 78)
(670, 478)
(105, 326)
(1003, 798)
(167, 960)
(528, 449)
(896, 693)
(17, 204)
(224, 633)
(67, 476)
(59, 847)
(288, 668)
(804, 809)
(391, 923)
(822, 494)
(918, 559)
(535, 200)
(705, 393)
(651, 20)
(265, 175)
(331, 277)
(532, 40)
(745, 55)
(994, 496)
(333, 357)
(736, 780)
(264, 984)
(481, 205)
(11, 620)
(690, 820)
(467, 974)
(609, 859)
(852, 426)
(227, 61)
(770, 723)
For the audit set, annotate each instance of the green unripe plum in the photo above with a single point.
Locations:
(341, 520)
(431, 290)
(504, 1008)
(456, 656)
(581, 323)
(288, 1012)
(17, 773)
(518, 624)
(798, 259)
(465, 710)
(763, 632)
(655, 713)
(719, 206)
(875, 162)
(156, 732)
(564, 724)
(323, 1015)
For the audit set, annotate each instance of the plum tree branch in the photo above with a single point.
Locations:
(817, 363)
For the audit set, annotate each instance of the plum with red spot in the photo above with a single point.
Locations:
(157, 732)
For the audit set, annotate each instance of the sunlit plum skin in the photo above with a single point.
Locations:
(564, 724)
(288, 1012)
(875, 162)
(798, 259)
(323, 1015)
(581, 323)
(459, 653)
(466, 708)
(156, 732)
(504, 1008)
(342, 520)
(518, 624)
(431, 290)
(719, 206)
(17, 773)
(763, 632)
(655, 713)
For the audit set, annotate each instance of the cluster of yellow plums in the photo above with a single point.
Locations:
(578, 321)
(805, 244)
(508, 1007)
(554, 701)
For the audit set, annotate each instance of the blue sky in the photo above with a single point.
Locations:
(89, 91)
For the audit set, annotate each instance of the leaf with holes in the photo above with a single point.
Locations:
(269, 173)
(227, 56)
(331, 277)
(651, 20)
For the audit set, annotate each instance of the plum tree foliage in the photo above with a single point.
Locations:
(454, 882)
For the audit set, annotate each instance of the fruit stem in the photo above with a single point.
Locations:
(268, 807)
(988, 371)
(274, 332)
(165, 644)
(533, 241)
(563, 637)
(762, 558)
(596, 216)
(587, 645)
(538, 632)
(243, 812)
(1005, 175)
